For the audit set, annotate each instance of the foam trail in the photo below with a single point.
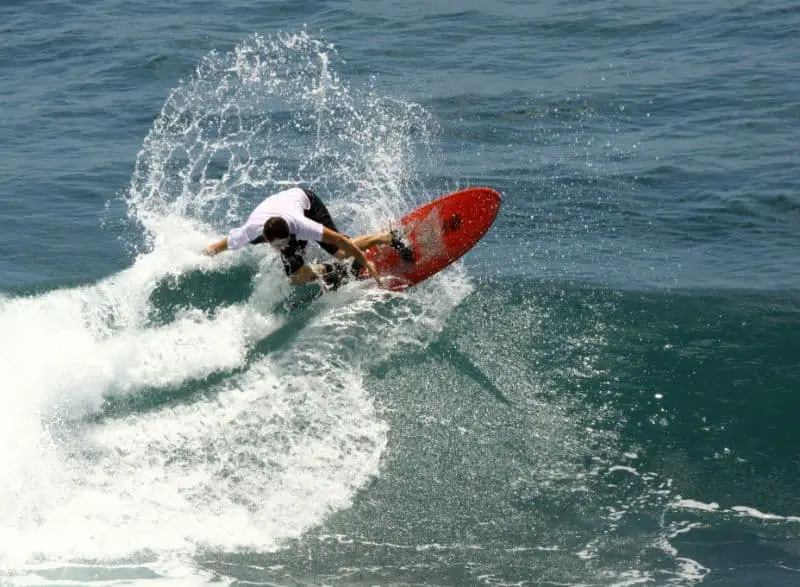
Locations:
(233, 470)
(65, 352)
(738, 511)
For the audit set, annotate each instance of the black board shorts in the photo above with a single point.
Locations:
(292, 254)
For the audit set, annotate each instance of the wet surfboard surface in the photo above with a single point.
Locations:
(439, 233)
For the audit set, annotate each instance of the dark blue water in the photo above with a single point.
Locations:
(602, 393)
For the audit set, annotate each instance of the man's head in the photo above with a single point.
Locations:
(276, 232)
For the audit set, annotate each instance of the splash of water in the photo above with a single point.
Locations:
(269, 114)
(229, 447)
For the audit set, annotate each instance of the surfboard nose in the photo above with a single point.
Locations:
(479, 207)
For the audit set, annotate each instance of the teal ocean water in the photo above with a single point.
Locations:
(603, 392)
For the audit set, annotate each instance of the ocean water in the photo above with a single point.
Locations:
(603, 392)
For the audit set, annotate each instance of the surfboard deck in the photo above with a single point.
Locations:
(439, 232)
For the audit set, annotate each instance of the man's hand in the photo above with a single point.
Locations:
(216, 248)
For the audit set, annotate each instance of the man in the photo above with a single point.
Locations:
(288, 220)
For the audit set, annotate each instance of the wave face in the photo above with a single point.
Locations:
(176, 404)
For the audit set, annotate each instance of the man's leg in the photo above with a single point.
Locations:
(366, 241)
(306, 273)
(392, 238)
(332, 274)
(318, 212)
(295, 267)
(300, 272)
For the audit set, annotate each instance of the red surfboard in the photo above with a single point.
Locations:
(439, 233)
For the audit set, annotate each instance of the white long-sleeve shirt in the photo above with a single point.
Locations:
(290, 205)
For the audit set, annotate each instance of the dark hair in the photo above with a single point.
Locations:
(275, 228)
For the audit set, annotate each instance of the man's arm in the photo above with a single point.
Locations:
(334, 238)
(217, 247)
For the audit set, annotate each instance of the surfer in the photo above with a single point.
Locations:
(288, 220)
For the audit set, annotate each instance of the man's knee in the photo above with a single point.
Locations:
(303, 275)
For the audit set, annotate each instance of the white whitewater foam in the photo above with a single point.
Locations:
(269, 446)
(737, 510)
